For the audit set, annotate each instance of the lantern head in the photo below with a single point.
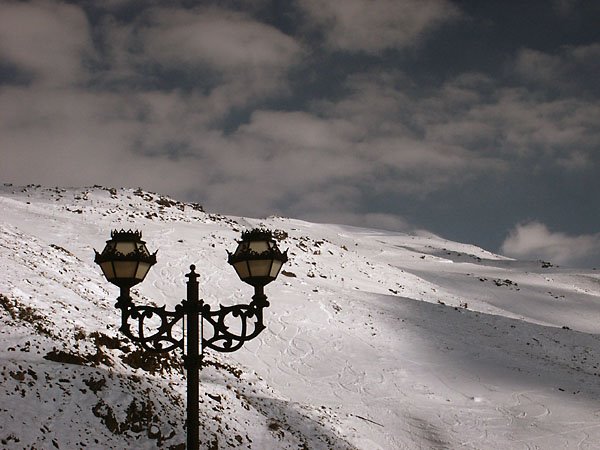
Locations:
(257, 259)
(125, 260)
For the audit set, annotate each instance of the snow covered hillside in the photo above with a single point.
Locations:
(374, 340)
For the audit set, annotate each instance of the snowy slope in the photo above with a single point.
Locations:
(373, 340)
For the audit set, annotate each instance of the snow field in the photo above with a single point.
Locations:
(374, 340)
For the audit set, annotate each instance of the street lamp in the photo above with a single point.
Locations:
(125, 262)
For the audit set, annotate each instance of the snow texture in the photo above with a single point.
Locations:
(374, 340)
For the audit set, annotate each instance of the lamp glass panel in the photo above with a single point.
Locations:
(108, 270)
(260, 267)
(275, 268)
(259, 246)
(125, 247)
(125, 269)
(142, 270)
(242, 269)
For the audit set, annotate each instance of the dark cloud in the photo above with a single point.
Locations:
(437, 114)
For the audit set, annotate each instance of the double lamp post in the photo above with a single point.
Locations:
(125, 261)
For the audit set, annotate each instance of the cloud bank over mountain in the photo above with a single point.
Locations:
(535, 240)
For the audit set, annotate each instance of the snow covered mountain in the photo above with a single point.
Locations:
(374, 340)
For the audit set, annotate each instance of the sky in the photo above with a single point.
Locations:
(476, 121)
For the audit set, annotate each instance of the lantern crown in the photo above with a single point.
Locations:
(124, 236)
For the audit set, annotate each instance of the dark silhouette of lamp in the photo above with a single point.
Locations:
(125, 262)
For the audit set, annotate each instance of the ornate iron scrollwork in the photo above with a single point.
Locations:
(161, 337)
(224, 340)
(220, 337)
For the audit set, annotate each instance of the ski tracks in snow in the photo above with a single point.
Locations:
(532, 424)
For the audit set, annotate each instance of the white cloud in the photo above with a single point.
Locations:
(380, 221)
(80, 138)
(55, 130)
(373, 102)
(571, 69)
(392, 135)
(237, 60)
(299, 130)
(46, 39)
(222, 39)
(537, 66)
(369, 26)
(534, 240)
(575, 161)
(512, 123)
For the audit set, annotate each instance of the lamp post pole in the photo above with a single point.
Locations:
(192, 361)
(125, 261)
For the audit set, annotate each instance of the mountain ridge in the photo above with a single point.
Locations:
(374, 339)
